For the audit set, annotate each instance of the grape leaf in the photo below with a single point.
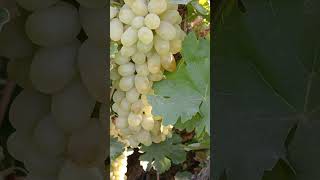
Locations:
(266, 79)
(161, 155)
(116, 148)
(187, 91)
(185, 175)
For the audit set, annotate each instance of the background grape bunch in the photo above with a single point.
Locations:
(60, 134)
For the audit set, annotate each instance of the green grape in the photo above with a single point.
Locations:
(126, 69)
(27, 109)
(144, 48)
(128, 51)
(161, 46)
(87, 146)
(139, 58)
(142, 69)
(126, 15)
(132, 95)
(91, 21)
(92, 63)
(168, 62)
(47, 129)
(55, 25)
(145, 35)
(72, 107)
(129, 37)
(152, 21)
(166, 31)
(139, 7)
(171, 16)
(126, 83)
(16, 145)
(113, 12)
(32, 5)
(157, 6)
(93, 3)
(53, 68)
(116, 29)
(70, 170)
(137, 22)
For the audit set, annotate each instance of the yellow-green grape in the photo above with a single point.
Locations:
(175, 46)
(122, 122)
(87, 147)
(129, 37)
(161, 46)
(156, 77)
(71, 170)
(145, 35)
(144, 137)
(166, 31)
(123, 112)
(144, 101)
(135, 129)
(116, 29)
(147, 110)
(133, 142)
(113, 12)
(157, 6)
(144, 48)
(125, 104)
(171, 16)
(126, 15)
(92, 66)
(72, 107)
(132, 95)
(142, 84)
(137, 22)
(27, 109)
(115, 107)
(126, 69)
(134, 119)
(118, 96)
(142, 69)
(168, 62)
(180, 33)
(139, 7)
(128, 51)
(147, 122)
(120, 59)
(129, 2)
(152, 21)
(114, 75)
(154, 63)
(139, 58)
(137, 107)
(172, 6)
(53, 68)
(32, 5)
(126, 83)
(48, 129)
(53, 26)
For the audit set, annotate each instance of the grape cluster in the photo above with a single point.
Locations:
(119, 166)
(149, 34)
(60, 134)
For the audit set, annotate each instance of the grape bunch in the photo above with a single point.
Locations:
(60, 133)
(148, 34)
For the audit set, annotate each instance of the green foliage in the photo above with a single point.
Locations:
(161, 155)
(116, 148)
(186, 92)
(113, 49)
(185, 175)
(199, 8)
(266, 79)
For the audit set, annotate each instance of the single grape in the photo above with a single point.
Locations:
(142, 84)
(171, 16)
(69, 171)
(126, 83)
(92, 63)
(145, 35)
(154, 63)
(120, 59)
(72, 107)
(116, 29)
(152, 21)
(113, 12)
(147, 122)
(142, 69)
(134, 119)
(126, 69)
(53, 68)
(144, 48)
(137, 22)
(157, 6)
(27, 109)
(139, 58)
(161, 46)
(118, 96)
(132, 95)
(122, 122)
(166, 31)
(175, 46)
(87, 147)
(139, 7)
(126, 15)
(168, 62)
(55, 25)
(129, 37)
(128, 51)
(16, 145)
